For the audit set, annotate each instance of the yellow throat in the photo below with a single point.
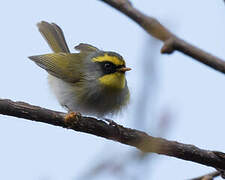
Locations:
(115, 80)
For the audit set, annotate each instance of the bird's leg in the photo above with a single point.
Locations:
(71, 116)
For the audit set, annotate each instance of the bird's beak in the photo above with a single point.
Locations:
(124, 69)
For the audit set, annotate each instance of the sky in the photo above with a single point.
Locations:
(193, 91)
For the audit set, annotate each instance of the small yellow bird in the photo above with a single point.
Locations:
(91, 82)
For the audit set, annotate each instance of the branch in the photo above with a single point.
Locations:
(132, 137)
(171, 41)
(209, 176)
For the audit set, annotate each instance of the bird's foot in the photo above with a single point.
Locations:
(71, 118)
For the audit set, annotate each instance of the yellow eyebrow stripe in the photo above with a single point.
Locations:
(113, 59)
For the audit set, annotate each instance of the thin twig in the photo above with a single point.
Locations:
(132, 137)
(171, 41)
(209, 176)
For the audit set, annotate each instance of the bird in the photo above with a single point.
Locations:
(90, 81)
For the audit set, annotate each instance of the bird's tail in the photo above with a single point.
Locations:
(53, 34)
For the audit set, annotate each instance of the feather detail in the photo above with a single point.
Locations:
(61, 65)
(53, 34)
(86, 48)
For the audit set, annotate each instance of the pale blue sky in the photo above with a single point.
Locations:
(36, 151)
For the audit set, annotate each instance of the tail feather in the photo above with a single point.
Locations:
(53, 34)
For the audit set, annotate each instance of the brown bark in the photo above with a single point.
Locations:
(132, 137)
(171, 42)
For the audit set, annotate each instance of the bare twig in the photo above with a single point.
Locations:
(171, 41)
(132, 137)
(209, 176)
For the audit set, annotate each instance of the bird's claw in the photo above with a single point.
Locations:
(72, 117)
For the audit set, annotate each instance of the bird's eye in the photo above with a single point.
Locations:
(109, 68)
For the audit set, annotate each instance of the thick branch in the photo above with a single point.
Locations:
(132, 137)
(209, 176)
(171, 42)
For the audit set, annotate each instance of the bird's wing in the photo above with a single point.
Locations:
(82, 47)
(64, 66)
